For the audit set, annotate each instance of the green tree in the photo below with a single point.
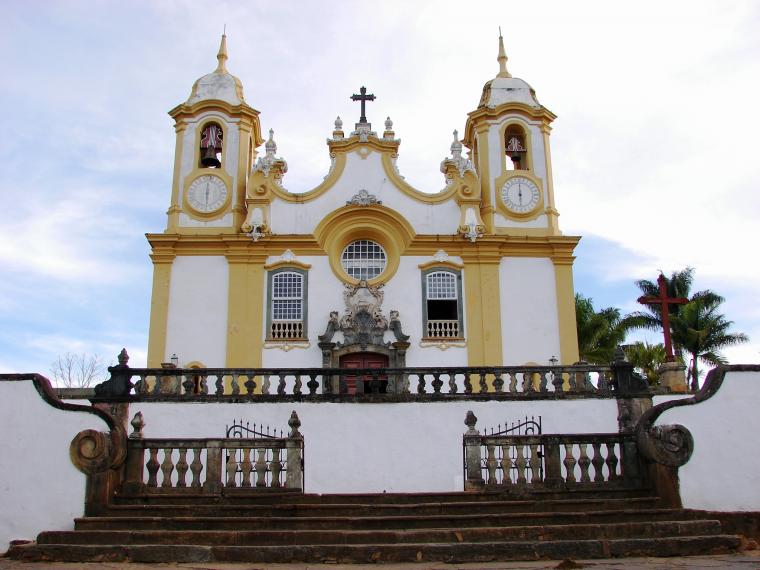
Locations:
(647, 359)
(600, 332)
(697, 328)
(701, 331)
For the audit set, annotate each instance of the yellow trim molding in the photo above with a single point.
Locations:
(568, 332)
(266, 187)
(163, 259)
(406, 188)
(448, 263)
(183, 113)
(245, 315)
(378, 223)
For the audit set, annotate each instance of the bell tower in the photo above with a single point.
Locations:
(217, 134)
(509, 137)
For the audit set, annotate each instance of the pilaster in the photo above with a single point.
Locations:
(159, 305)
(245, 314)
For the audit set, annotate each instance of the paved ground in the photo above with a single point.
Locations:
(749, 560)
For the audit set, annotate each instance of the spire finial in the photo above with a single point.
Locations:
(502, 59)
(222, 55)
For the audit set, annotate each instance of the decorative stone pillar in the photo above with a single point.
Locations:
(474, 476)
(294, 477)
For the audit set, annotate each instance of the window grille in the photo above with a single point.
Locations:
(441, 285)
(287, 297)
(363, 259)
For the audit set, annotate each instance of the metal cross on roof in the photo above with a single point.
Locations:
(664, 301)
(363, 97)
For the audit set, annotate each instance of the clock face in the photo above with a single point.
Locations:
(207, 193)
(520, 195)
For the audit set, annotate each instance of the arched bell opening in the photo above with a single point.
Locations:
(516, 148)
(212, 144)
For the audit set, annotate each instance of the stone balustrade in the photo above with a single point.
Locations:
(551, 461)
(379, 384)
(213, 465)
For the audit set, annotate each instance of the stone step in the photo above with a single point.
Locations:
(241, 495)
(436, 535)
(382, 509)
(361, 553)
(456, 521)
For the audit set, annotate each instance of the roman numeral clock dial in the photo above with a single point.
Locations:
(207, 194)
(520, 195)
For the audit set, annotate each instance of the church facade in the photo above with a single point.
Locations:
(364, 270)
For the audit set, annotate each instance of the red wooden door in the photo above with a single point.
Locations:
(363, 360)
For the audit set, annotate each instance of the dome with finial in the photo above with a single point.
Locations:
(507, 89)
(220, 84)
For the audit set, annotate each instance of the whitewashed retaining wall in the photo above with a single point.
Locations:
(723, 474)
(40, 489)
(365, 448)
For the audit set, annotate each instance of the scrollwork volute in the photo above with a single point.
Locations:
(93, 451)
(670, 445)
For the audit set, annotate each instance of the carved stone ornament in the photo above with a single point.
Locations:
(670, 445)
(269, 162)
(363, 198)
(457, 160)
(363, 322)
(93, 451)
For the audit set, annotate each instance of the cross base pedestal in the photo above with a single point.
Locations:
(673, 376)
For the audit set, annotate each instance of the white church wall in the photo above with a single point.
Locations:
(528, 310)
(368, 174)
(196, 328)
(723, 474)
(356, 448)
(40, 488)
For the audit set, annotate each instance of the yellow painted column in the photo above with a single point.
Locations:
(568, 331)
(159, 305)
(484, 171)
(483, 318)
(174, 207)
(551, 210)
(245, 315)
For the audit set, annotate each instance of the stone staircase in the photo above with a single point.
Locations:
(432, 527)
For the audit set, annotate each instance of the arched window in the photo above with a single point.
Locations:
(363, 259)
(515, 147)
(287, 305)
(211, 146)
(442, 304)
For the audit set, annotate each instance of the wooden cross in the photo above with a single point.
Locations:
(363, 97)
(664, 301)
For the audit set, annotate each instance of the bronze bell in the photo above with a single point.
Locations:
(209, 159)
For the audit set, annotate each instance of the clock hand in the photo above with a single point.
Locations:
(519, 192)
(207, 191)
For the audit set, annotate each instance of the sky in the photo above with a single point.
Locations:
(655, 152)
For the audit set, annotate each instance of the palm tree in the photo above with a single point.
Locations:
(646, 358)
(600, 332)
(702, 332)
(696, 327)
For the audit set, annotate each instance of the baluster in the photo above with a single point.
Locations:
(265, 385)
(297, 385)
(491, 464)
(520, 463)
(557, 382)
(232, 466)
(421, 384)
(312, 384)
(527, 382)
(156, 386)
(182, 468)
(453, 382)
(275, 466)
(467, 382)
(203, 387)
(152, 466)
(602, 384)
(246, 466)
(611, 462)
(598, 462)
(535, 464)
(584, 462)
(498, 382)
(235, 387)
(569, 462)
(250, 385)
(188, 384)
(482, 382)
(261, 467)
(513, 382)
(573, 385)
(542, 380)
(506, 465)
(219, 384)
(281, 384)
(437, 382)
(195, 468)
